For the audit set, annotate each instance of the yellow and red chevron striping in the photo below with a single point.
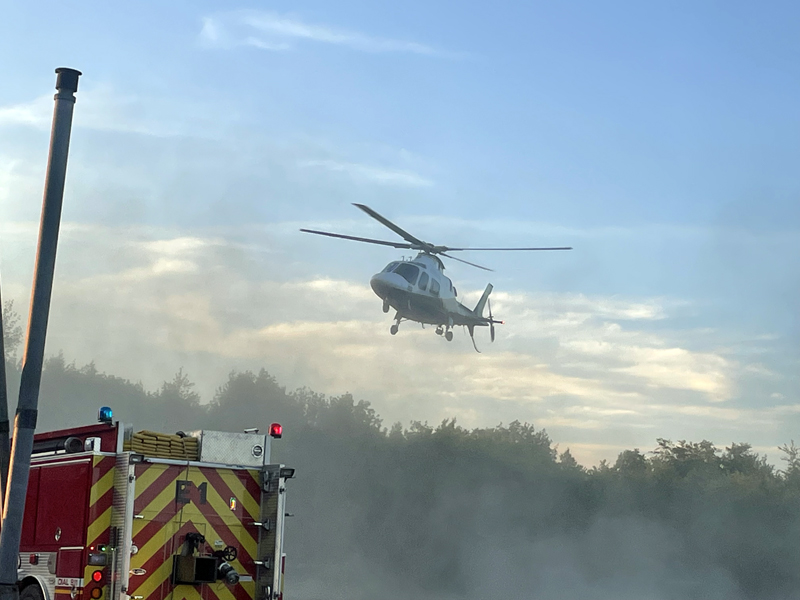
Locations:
(152, 481)
(173, 500)
(155, 585)
(101, 496)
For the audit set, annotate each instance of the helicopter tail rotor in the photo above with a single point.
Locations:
(491, 320)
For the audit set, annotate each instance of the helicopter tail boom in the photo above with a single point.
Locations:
(482, 302)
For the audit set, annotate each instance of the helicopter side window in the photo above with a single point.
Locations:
(408, 272)
(423, 281)
(434, 287)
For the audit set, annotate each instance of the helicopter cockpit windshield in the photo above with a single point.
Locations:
(390, 267)
(408, 272)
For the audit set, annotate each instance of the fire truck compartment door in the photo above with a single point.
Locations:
(61, 515)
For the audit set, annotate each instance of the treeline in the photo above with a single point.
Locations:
(434, 512)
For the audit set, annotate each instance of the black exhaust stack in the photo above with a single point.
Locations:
(27, 407)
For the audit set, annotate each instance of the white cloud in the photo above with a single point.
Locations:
(103, 108)
(272, 31)
(760, 370)
(262, 45)
(36, 113)
(143, 302)
(370, 174)
(333, 321)
(211, 32)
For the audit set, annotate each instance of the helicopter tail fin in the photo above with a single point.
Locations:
(482, 302)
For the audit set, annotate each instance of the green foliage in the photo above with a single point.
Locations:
(632, 464)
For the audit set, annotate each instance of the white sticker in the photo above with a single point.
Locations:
(69, 582)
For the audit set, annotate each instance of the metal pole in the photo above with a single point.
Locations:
(27, 408)
(4, 445)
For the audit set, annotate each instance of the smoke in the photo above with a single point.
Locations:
(448, 518)
(447, 513)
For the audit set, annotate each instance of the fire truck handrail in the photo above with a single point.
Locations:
(36, 459)
(198, 463)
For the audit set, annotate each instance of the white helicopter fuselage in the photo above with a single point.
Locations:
(419, 291)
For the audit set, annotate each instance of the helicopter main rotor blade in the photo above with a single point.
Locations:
(448, 249)
(398, 230)
(465, 261)
(359, 239)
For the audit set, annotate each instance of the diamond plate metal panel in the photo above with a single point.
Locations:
(40, 571)
(245, 449)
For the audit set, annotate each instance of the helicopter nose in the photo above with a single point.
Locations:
(383, 284)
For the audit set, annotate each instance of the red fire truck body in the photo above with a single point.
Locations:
(104, 522)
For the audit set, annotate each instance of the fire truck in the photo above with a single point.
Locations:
(113, 514)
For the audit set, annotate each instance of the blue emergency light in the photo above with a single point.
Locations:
(105, 414)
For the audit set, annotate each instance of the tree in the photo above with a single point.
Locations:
(631, 463)
(792, 458)
(566, 460)
(685, 457)
(12, 330)
(739, 458)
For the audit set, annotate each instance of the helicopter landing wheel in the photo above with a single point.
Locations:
(449, 336)
(439, 331)
(394, 329)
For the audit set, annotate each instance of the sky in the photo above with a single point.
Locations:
(661, 142)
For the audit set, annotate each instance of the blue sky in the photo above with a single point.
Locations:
(659, 141)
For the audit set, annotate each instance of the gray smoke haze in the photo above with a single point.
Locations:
(464, 527)
(446, 513)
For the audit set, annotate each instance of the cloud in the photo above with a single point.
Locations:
(36, 113)
(599, 372)
(143, 302)
(104, 108)
(271, 31)
(370, 174)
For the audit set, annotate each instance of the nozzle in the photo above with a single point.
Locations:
(228, 573)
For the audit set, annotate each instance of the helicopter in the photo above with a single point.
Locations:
(418, 289)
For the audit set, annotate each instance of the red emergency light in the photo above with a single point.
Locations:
(276, 430)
